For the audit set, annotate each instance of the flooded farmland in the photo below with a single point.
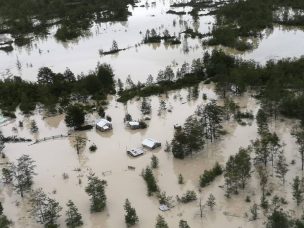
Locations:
(62, 172)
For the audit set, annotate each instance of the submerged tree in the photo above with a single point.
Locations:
(80, 142)
(22, 174)
(183, 224)
(150, 181)
(154, 162)
(74, 218)
(160, 222)
(189, 139)
(211, 118)
(74, 116)
(44, 209)
(237, 171)
(299, 135)
(145, 107)
(131, 217)
(281, 167)
(96, 190)
(297, 190)
(211, 201)
(4, 221)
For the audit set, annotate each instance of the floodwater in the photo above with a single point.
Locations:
(110, 162)
(139, 60)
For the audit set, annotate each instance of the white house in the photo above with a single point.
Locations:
(135, 152)
(103, 125)
(151, 143)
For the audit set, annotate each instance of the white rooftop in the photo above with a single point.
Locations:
(136, 152)
(102, 123)
(149, 142)
(133, 123)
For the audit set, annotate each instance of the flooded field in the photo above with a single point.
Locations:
(58, 158)
(139, 60)
(110, 162)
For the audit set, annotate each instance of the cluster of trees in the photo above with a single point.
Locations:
(206, 124)
(251, 19)
(4, 221)
(209, 175)
(52, 88)
(188, 139)
(73, 18)
(237, 171)
(166, 80)
(151, 36)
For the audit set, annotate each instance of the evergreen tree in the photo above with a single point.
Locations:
(211, 201)
(297, 190)
(211, 118)
(7, 175)
(180, 179)
(96, 190)
(183, 224)
(299, 135)
(160, 222)
(74, 218)
(74, 116)
(120, 86)
(281, 167)
(22, 174)
(150, 180)
(145, 107)
(154, 162)
(44, 209)
(131, 217)
(4, 222)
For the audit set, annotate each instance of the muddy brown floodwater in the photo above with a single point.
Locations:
(110, 162)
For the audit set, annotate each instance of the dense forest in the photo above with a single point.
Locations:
(279, 85)
(55, 88)
(23, 19)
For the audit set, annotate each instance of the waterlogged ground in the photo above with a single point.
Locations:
(110, 162)
(139, 60)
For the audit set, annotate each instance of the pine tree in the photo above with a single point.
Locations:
(74, 218)
(281, 167)
(96, 189)
(299, 135)
(44, 209)
(131, 217)
(297, 191)
(180, 179)
(183, 224)
(211, 201)
(154, 162)
(150, 180)
(22, 174)
(160, 222)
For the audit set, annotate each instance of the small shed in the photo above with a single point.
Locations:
(135, 152)
(151, 143)
(103, 125)
(133, 124)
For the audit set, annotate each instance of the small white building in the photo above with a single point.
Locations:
(133, 124)
(151, 143)
(135, 152)
(103, 125)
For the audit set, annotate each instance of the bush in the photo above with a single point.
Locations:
(188, 197)
(209, 175)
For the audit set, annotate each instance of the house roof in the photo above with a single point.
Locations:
(149, 142)
(103, 123)
(136, 152)
(133, 123)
